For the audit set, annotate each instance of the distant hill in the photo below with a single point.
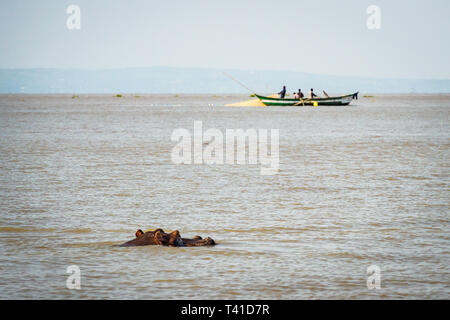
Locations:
(196, 80)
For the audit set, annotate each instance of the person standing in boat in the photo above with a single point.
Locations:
(282, 93)
(312, 95)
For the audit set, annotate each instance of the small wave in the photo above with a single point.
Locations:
(81, 230)
(288, 240)
(175, 280)
(346, 255)
(304, 208)
(414, 177)
(30, 229)
(231, 253)
(298, 188)
(119, 230)
(25, 229)
(269, 230)
(89, 244)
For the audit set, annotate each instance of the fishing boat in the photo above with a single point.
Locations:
(328, 101)
(286, 102)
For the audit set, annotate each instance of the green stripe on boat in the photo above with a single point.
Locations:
(330, 101)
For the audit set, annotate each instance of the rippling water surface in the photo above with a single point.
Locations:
(362, 185)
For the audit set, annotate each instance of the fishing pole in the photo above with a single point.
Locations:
(243, 85)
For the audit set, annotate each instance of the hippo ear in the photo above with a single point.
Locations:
(175, 233)
(158, 237)
(175, 238)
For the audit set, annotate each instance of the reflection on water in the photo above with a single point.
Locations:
(359, 185)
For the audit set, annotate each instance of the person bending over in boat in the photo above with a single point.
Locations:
(312, 94)
(139, 233)
(282, 93)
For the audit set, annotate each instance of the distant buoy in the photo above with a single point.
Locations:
(315, 103)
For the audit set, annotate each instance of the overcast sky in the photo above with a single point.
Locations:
(320, 36)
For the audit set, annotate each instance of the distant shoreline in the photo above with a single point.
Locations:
(137, 95)
(197, 80)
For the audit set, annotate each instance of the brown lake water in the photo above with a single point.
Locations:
(367, 184)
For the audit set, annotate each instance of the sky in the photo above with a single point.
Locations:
(321, 36)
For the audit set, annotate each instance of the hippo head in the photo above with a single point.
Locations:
(172, 239)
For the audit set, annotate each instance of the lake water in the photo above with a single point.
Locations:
(362, 185)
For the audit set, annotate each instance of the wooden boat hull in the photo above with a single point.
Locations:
(330, 101)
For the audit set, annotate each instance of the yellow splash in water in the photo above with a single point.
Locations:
(250, 103)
